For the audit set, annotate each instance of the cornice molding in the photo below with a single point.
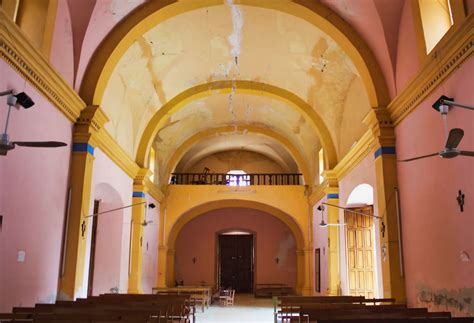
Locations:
(117, 154)
(447, 56)
(154, 191)
(29, 63)
(360, 150)
(317, 195)
(18, 52)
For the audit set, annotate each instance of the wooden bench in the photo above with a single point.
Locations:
(200, 295)
(107, 308)
(271, 290)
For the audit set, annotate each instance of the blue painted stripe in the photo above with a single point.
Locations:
(82, 147)
(138, 194)
(384, 151)
(333, 196)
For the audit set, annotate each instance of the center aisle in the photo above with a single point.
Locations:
(246, 309)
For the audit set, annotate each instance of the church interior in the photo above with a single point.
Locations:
(274, 147)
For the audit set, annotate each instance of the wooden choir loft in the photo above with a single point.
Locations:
(251, 160)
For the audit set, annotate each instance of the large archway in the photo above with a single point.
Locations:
(274, 246)
(152, 13)
(168, 238)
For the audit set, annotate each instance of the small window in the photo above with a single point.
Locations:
(152, 164)
(238, 178)
(436, 19)
(321, 165)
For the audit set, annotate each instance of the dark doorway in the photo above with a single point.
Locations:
(236, 262)
(93, 242)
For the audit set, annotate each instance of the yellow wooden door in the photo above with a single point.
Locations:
(360, 252)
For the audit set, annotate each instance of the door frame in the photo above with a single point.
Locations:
(218, 259)
(95, 224)
(374, 227)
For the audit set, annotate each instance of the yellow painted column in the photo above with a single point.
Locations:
(386, 176)
(308, 286)
(86, 130)
(138, 216)
(331, 190)
(300, 277)
(162, 266)
(170, 255)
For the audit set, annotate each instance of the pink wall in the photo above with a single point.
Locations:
(62, 56)
(273, 239)
(114, 187)
(363, 173)
(435, 232)
(33, 185)
(320, 240)
(408, 61)
(106, 14)
(366, 21)
(150, 247)
(108, 241)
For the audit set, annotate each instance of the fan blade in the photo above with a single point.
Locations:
(419, 157)
(466, 153)
(38, 144)
(454, 138)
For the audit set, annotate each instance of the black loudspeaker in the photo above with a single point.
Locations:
(24, 100)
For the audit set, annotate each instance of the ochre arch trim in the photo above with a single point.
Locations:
(235, 203)
(294, 152)
(152, 13)
(251, 87)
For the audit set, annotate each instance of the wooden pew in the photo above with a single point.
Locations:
(108, 308)
(200, 295)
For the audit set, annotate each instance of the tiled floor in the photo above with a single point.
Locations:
(246, 309)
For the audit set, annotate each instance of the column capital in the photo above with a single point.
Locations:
(91, 120)
(87, 128)
(380, 123)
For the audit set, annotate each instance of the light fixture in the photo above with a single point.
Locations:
(442, 104)
(21, 98)
(323, 224)
(150, 205)
(350, 210)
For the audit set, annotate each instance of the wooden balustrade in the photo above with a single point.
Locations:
(235, 180)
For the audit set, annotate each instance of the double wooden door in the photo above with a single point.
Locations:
(360, 252)
(236, 262)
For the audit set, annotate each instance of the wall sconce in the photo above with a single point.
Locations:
(277, 260)
(194, 260)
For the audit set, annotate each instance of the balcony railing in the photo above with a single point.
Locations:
(234, 180)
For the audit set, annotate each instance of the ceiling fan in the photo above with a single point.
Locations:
(455, 135)
(26, 102)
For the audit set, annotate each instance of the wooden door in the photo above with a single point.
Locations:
(360, 252)
(236, 262)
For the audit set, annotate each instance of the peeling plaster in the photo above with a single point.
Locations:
(459, 301)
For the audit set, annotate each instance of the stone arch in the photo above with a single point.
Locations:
(162, 115)
(295, 153)
(152, 13)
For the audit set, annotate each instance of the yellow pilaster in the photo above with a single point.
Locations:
(300, 262)
(138, 216)
(162, 266)
(386, 174)
(308, 288)
(86, 131)
(170, 255)
(331, 190)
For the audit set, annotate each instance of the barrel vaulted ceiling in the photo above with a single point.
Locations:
(235, 43)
